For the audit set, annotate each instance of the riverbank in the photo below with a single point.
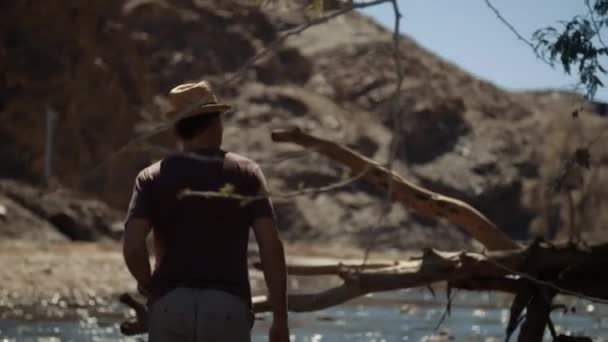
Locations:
(70, 290)
(64, 279)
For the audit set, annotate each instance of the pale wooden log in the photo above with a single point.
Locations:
(345, 292)
(423, 201)
(315, 301)
(328, 269)
(472, 271)
(408, 274)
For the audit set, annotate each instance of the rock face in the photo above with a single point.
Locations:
(105, 67)
(73, 58)
(36, 214)
(17, 222)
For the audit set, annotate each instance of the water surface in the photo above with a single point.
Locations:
(411, 315)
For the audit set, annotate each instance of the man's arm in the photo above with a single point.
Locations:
(135, 252)
(273, 259)
(273, 262)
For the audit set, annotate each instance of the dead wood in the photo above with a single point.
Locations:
(564, 269)
(569, 269)
(423, 201)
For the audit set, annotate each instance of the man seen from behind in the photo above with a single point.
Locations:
(199, 288)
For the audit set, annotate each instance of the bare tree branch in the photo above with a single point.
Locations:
(549, 284)
(246, 199)
(397, 117)
(447, 309)
(517, 34)
(421, 200)
(139, 139)
(331, 269)
(596, 26)
(278, 42)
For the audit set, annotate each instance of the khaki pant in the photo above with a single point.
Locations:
(196, 315)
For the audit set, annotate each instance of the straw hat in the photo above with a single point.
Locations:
(191, 99)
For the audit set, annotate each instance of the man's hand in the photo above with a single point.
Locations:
(272, 256)
(279, 330)
(140, 324)
(143, 289)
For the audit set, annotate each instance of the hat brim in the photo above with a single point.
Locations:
(204, 109)
(213, 108)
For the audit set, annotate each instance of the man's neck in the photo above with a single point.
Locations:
(197, 146)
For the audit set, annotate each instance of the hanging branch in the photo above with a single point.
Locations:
(397, 118)
(245, 199)
(516, 33)
(278, 42)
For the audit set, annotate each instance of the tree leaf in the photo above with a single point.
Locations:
(227, 189)
(315, 8)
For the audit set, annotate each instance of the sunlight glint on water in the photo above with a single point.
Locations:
(395, 316)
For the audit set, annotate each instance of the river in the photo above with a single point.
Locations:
(411, 315)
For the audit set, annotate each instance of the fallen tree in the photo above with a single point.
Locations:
(563, 268)
(535, 274)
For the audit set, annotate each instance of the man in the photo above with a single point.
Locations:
(199, 289)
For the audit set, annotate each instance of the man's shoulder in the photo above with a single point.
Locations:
(242, 160)
(150, 171)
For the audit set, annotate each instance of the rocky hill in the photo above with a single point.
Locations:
(105, 67)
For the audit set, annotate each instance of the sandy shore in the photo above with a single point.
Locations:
(56, 279)
(60, 279)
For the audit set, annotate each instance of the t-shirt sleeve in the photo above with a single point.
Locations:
(139, 206)
(260, 207)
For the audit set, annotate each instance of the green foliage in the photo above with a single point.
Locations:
(315, 8)
(227, 190)
(345, 175)
(578, 45)
(601, 7)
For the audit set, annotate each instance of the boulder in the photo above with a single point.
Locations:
(19, 223)
(75, 216)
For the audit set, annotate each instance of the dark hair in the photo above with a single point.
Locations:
(190, 127)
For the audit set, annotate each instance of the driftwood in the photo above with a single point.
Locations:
(423, 201)
(568, 268)
(535, 274)
(528, 273)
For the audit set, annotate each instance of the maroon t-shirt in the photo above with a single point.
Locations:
(201, 240)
